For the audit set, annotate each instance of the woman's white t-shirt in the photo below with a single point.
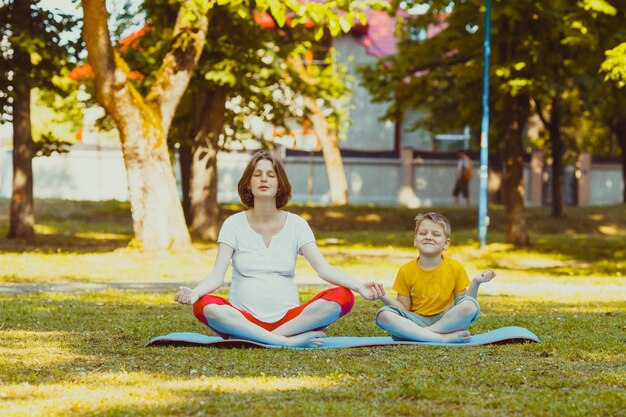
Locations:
(264, 276)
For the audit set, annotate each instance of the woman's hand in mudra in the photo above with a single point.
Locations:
(185, 295)
(371, 290)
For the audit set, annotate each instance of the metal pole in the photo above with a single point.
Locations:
(483, 218)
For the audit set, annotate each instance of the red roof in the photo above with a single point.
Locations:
(379, 39)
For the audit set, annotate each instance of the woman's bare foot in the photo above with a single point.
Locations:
(313, 339)
(461, 336)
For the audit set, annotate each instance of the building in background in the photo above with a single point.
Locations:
(385, 163)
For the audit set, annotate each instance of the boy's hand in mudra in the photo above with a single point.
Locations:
(485, 276)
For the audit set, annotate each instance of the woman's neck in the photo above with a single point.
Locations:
(263, 210)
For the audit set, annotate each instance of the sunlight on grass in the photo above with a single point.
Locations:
(85, 393)
(259, 384)
(124, 266)
(506, 305)
(544, 288)
(100, 236)
(36, 349)
(612, 230)
(369, 218)
(333, 214)
(529, 262)
(44, 229)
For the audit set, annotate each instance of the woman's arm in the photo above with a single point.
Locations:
(211, 282)
(369, 290)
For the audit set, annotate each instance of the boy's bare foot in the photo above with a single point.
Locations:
(311, 339)
(462, 336)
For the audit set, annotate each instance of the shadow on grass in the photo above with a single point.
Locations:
(72, 227)
(560, 255)
(352, 225)
(584, 247)
(62, 243)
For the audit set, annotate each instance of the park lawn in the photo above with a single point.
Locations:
(82, 354)
(92, 242)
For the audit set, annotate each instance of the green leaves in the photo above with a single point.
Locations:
(45, 40)
(599, 6)
(35, 58)
(539, 48)
(614, 66)
(222, 73)
(346, 22)
(279, 12)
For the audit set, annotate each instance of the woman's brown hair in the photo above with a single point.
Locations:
(284, 187)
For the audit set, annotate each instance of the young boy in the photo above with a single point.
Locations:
(436, 301)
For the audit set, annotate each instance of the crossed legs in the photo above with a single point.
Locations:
(298, 332)
(301, 326)
(450, 328)
(459, 317)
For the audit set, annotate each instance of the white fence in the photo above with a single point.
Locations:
(92, 173)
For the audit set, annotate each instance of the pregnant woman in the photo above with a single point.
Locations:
(263, 243)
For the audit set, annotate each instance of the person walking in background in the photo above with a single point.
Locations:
(464, 174)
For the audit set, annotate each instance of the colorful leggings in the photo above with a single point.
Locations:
(340, 295)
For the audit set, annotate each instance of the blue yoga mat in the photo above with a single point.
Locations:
(503, 335)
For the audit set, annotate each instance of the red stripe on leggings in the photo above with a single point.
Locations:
(340, 295)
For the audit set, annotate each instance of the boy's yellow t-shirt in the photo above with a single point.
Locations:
(431, 291)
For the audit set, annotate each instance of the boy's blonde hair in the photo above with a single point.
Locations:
(440, 219)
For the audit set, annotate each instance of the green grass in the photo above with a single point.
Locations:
(89, 242)
(82, 353)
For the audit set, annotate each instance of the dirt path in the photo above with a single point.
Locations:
(545, 290)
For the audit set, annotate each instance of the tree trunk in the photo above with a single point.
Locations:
(185, 159)
(620, 132)
(143, 124)
(22, 216)
(558, 175)
(515, 118)
(337, 183)
(209, 122)
(158, 219)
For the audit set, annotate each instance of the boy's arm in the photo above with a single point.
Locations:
(472, 289)
(403, 301)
